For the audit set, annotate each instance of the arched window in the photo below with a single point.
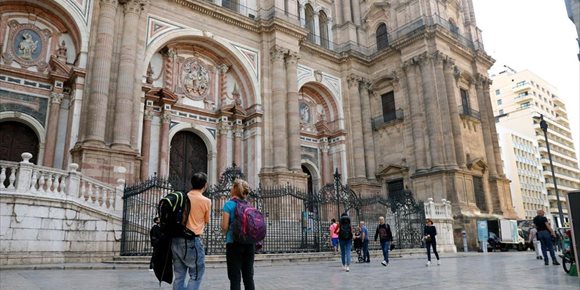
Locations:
(324, 37)
(309, 14)
(382, 37)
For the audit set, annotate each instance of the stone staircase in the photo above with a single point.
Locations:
(219, 261)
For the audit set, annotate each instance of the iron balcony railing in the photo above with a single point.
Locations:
(467, 111)
(387, 119)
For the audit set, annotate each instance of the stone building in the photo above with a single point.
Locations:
(393, 94)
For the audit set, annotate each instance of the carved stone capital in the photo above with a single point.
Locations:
(438, 57)
(166, 117)
(133, 6)
(223, 68)
(148, 115)
(482, 80)
(353, 80)
(277, 53)
(56, 98)
(292, 57)
(113, 3)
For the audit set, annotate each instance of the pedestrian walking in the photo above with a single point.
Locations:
(188, 251)
(533, 239)
(545, 234)
(385, 236)
(345, 236)
(333, 235)
(155, 236)
(365, 242)
(429, 235)
(239, 257)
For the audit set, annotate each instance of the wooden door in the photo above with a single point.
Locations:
(15, 139)
(188, 155)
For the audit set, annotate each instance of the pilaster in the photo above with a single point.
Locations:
(369, 144)
(164, 144)
(279, 108)
(450, 82)
(51, 132)
(356, 130)
(410, 68)
(430, 106)
(444, 113)
(294, 159)
(146, 143)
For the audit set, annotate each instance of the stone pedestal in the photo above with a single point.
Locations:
(297, 179)
(107, 164)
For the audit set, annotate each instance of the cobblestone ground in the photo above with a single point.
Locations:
(478, 271)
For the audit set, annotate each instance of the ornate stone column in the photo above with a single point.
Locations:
(222, 144)
(52, 128)
(279, 109)
(356, 126)
(369, 144)
(164, 144)
(294, 159)
(317, 27)
(146, 143)
(325, 169)
(450, 83)
(494, 137)
(238, 133)
(443, 109)
(485, 126)
(223, 69)
(100, 74)
(410, 68)
(126, 79)
(431, 110)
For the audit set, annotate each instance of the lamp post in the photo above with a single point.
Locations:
(544, 127)
(337, 189)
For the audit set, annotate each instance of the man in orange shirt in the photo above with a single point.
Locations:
(188, 251)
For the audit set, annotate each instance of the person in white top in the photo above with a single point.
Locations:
(533, 238)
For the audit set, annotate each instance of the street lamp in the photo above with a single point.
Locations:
(337, 190)
(544, 127)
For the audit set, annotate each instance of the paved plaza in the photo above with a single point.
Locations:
(511, 270)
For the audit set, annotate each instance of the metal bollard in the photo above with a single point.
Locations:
(464, 234)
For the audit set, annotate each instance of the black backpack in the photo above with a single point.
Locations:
(173, 210)
(345, 230)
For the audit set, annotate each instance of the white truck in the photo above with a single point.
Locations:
(504, 235)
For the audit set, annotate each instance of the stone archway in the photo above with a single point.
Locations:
(188, 154)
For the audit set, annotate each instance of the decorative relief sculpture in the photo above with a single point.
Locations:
(195, 79)
(304, 113)
(28, 45)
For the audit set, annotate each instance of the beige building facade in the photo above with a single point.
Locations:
(519, 98)
(393, 94)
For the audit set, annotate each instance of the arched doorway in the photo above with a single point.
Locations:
(188, 154)
(15, 139)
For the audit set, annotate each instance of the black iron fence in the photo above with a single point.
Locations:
(297, 221)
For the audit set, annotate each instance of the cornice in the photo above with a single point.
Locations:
(221, 13)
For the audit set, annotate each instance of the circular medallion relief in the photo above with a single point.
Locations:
(195, 79)
(27, 45)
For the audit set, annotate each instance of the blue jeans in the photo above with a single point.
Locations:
(188, 256)
(345, 251)
(385, 247)
(546, 241)
(366, 254)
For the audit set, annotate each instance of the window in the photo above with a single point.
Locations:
(497, 92)
(499, 102)
(382, 37)
(525, 105)
(395, 186)
(465, 101)
(309, 16)
(389, 112)
(523, 94)
(520, 83)
(501, 111)
(323, 24)
(479, 193)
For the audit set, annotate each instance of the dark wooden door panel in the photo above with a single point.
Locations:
(188, 155)
(15, 139)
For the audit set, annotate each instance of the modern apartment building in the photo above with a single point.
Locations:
(518, 99)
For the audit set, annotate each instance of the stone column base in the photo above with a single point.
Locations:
(297, 179)
(106, 164)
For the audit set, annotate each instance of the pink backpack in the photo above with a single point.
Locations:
(249, 226)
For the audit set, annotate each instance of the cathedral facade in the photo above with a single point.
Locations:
(393, 94)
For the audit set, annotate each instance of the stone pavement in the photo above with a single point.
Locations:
(511, 270)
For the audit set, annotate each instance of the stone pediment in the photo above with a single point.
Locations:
(477, 164)
(392, 169)
(59, 69)
(164, 95)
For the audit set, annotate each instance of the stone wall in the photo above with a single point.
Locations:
(41, 230)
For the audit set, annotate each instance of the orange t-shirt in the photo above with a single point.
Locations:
(199, 212)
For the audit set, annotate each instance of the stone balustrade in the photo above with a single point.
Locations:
(442, 217)
(50, 215)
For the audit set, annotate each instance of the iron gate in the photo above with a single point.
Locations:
(297, 221)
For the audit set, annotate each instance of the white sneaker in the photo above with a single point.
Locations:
(343, 267)
(347, 269)
(384, 263)
(428, 263)
(438, 262)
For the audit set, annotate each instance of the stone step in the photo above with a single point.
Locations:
(272, 258)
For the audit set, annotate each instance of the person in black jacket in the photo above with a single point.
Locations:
(429, 234)
(155, 235)
(386, 237)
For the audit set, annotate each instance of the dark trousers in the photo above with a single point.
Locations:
(430, 244)
(365, 249)
(240, 261)
(547, 246)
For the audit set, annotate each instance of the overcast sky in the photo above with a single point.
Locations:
(536, 35)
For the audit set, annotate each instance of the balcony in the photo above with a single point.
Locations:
(465, 111)
(521, 86)
(388, 119)
(522, 97)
